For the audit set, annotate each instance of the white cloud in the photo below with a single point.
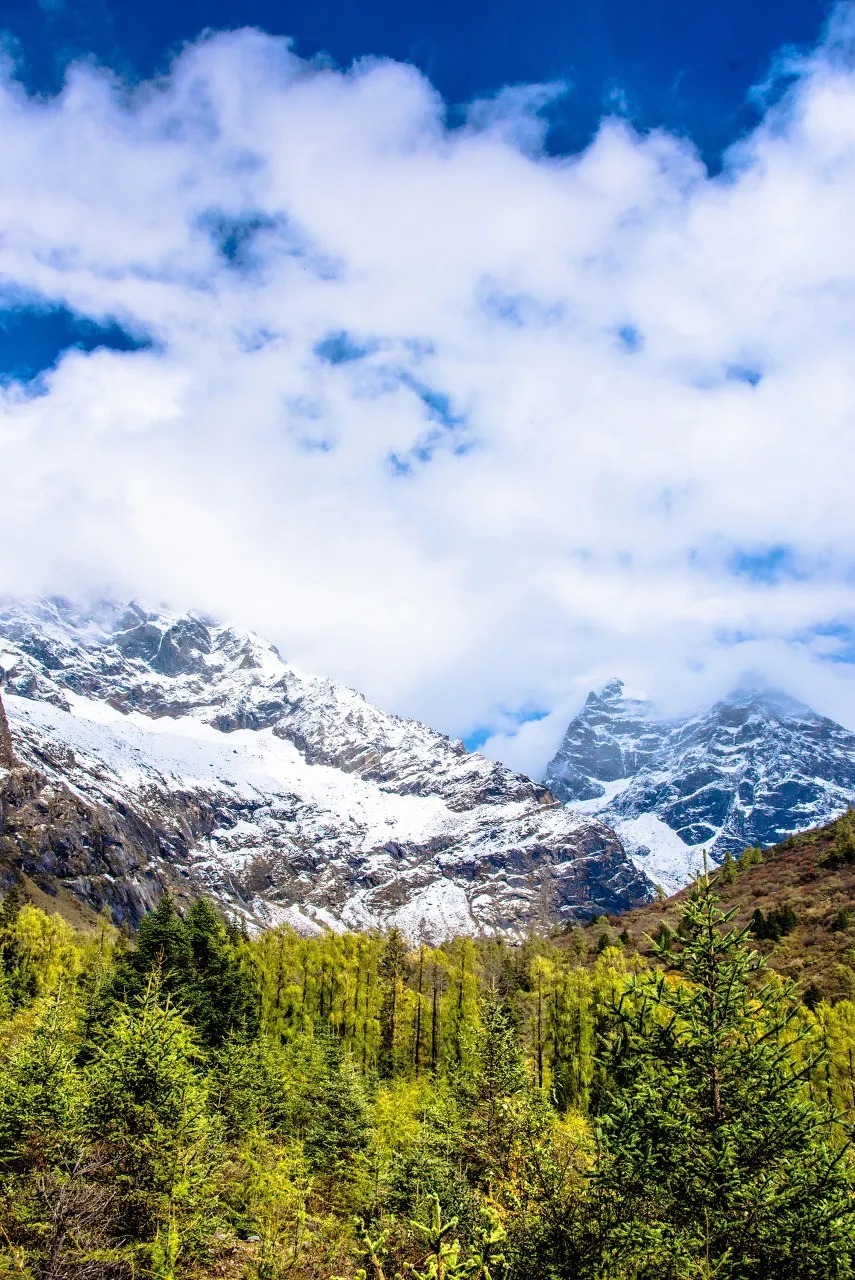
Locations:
(549, 447)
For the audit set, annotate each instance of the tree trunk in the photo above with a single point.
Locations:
(434, 1028)
(539, 1033)
(417, 1046)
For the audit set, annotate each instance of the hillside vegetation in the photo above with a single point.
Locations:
(797, 899)
(202, 1104)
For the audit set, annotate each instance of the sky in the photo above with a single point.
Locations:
(474, 355)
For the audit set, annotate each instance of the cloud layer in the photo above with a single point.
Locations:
(465, 425)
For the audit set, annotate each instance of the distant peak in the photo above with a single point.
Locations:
(611, 692)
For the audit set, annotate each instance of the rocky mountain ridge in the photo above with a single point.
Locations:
(206, 761)
(751, 770)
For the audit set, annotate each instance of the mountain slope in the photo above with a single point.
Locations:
(752, 769)
(288, 797)
(804, 874)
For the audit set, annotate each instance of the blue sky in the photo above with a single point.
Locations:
(474, 354)
(687, 67)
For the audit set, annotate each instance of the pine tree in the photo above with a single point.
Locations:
(162, 946)
(751, 856)
(728, 870)
(495, 1097)
(13, 900)
(219, 993)
(250, 1088)
(199, 966)
(10, 910)
(460, 1013)
(337, 1124)
(393, 967)
(41, 1090)
(776, 924)
(148, 1113)
(573, 1035)
(714, 1161)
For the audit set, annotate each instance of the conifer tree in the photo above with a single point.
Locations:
(844, 837)
(10, 909)
(13, 900)
(199, 966)
(217, 989)
(336, 1128)
(604, 1121)
(573, 1036)
(460, 1014)
(162, 946)
(250, 1087)
(751, 856)
(494, 1096)
(41, 1090)
(148, 1112)
(728, 870)
(714, 1161)
(38, 952)
(393, 967)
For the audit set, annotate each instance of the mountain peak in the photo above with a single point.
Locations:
(750, 770)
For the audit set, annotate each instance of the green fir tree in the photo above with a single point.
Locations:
(714, 1161)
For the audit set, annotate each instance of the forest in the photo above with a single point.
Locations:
(194, 1102)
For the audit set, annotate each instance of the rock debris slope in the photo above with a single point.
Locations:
(209, 762)
(751, 770)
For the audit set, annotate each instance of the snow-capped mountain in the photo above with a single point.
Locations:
(159, 750)
(751, 770)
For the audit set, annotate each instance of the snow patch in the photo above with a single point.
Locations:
(439, 911)
(599, 804)
(659, 852)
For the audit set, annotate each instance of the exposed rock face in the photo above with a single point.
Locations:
(111, 858)
(613, 738)
(7, 751)
(753, 769)
(287, 796)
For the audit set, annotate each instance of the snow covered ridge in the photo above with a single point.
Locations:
(751, 770)
(288, 797)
